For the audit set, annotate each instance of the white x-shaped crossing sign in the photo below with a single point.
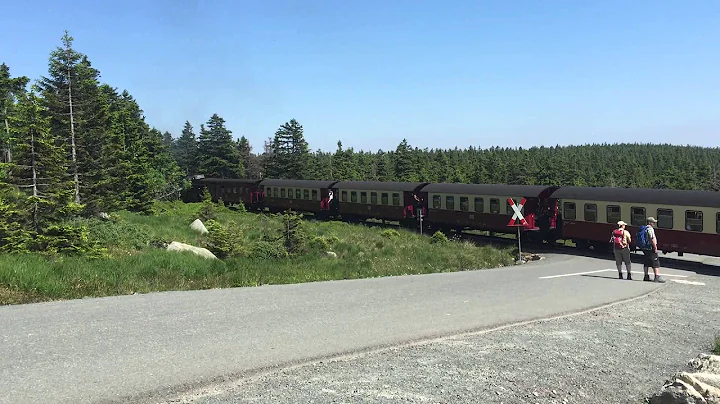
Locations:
(518, 214)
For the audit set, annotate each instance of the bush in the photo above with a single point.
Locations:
(323, 243)
(390, 233)
(267, 250)
(438, 238)
(223, 241)
(293, 233)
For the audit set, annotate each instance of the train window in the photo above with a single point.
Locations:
(637, 216)
(306, 194)
(363, 197)
(353, 196)
(298, 194)
(717, 223)
(450, 202)
(437, 202)
(343, 196)
(693, 220)
(464, 203)
(396, 199)
(494, 205)
(384, 198)
(275, 192)
(373, 198)
(479, 205)
(569, 210)
(590, 212)
(268, 191)
(508, 208)
(665, 218)
(314, 195)
(613, 214)
(282, 192)
(290, 193)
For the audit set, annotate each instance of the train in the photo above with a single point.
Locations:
(583, 215)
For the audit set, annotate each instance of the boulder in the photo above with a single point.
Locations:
(198, 226)
(330, 254)
(700, 386)
(203, 252)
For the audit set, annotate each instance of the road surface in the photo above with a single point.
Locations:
(136, 348)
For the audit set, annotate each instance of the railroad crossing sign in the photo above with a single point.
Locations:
(518, 214)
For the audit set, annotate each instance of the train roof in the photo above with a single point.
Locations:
(380, 186)
(487, 189)
(297, 183)
(229, 180)
(641, 195)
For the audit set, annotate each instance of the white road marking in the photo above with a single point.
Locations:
(577, 273)
(606, 270)
(687, 282)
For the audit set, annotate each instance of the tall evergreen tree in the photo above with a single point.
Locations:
(71, 94)
(10, 89)
(290, 154)
(186, 150)
(217, 154)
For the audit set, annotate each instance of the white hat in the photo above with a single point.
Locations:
(621, 223)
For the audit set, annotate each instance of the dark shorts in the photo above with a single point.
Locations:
(651, 259)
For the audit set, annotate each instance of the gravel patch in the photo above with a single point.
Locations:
(620, 354)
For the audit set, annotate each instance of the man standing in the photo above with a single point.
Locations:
(651, 255)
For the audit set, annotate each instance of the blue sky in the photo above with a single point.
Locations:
(439, 73)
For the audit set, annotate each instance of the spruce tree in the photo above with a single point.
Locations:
(10, 89)
(290, 155)
(186, 150)
(217, 154)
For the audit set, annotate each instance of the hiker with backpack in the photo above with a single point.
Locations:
(647, 242)
(621, 248)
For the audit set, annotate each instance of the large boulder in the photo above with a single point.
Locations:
(699, 387)
(203, 252)
(198, 226)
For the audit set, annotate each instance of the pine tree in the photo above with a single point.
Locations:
(186, 150)
(39, 168)
(290, 155)
(217, 154)
(10, 89)
(71, 94)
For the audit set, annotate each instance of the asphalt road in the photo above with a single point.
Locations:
(132, 348)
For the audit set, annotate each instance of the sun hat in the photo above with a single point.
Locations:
(651, 219)
(621, 223)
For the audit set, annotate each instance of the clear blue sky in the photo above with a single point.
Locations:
(441, 73)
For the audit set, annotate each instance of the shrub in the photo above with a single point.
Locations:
(319, 243)
(293, 233)
(223, 241)
(266, 250)
(390, 233)
(438, 238)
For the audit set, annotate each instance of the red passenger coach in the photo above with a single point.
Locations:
(486, 207)
(688, 221)
(396, 201)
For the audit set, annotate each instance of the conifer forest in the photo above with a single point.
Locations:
(73, 146)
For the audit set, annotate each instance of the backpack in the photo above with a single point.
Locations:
(619, 238)
(641, 238)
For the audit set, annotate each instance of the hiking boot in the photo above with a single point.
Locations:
(658, 279)
(620, 275)
(629, 277)
(646, 278)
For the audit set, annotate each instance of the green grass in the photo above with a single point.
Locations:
(716, 348)
(134, 264)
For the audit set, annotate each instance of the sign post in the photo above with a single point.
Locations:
(521, 222)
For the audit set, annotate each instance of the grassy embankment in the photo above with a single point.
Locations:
(135, 263)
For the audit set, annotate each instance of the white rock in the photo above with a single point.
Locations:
(203, 252)
(198, 226)
(330, 254)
